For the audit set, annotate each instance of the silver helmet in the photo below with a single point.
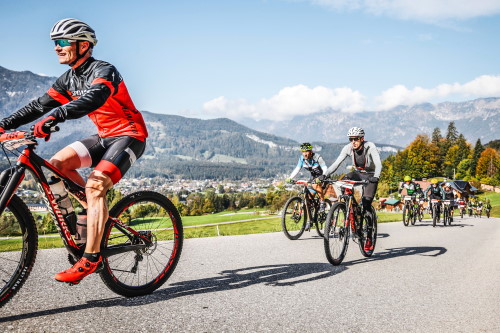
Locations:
(356, 131)
(73, 29)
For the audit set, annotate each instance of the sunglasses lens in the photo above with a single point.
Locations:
(62, 42)
(353, 139)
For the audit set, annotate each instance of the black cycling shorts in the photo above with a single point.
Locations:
(112, 156)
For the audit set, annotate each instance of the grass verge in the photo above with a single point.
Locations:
(238, 228)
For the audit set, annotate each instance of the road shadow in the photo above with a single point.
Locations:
(428, 251)
(440, 224)
(316, 237)
(271, 275)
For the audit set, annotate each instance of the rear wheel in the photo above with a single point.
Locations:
(368, 233)
(414, 215)
(18, 248)
(337, 233)
(142, 270)
(293, 219)
(420, 214)
(461, 213)
(321, 219)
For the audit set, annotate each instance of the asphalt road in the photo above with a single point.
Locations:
(420, 279)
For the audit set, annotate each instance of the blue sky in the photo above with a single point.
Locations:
(273, 59)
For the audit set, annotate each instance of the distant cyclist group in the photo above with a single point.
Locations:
(365, 172)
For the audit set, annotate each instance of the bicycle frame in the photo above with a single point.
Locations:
(408, 200)
(447, 208)
(436, 204)
(347, 196)
(308, 199)
(28, 160)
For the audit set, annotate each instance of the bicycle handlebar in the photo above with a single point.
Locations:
(9, 136)
(14, 140)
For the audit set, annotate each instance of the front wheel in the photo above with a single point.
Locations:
(293, 218)
(445, 216)
(461, 213)
(368, 233)
(147, 264)
(18, 248)
(435, 215)
(321, 218)
(337, 233)
(406, 215)
(488, 213)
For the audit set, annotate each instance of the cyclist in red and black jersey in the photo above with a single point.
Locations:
(94, 88)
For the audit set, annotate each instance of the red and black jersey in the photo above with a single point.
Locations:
(94, 88)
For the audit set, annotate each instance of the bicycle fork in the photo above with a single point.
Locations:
(9, 182)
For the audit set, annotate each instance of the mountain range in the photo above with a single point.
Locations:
(222, 148)
(475, 119)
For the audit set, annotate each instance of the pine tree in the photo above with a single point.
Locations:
(436, 136)
(439, 146)
(451, 133)
(478, 149)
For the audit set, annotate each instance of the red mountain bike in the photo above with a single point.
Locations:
(142, 241)
(345, 221)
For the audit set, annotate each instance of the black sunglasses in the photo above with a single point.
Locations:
(355, 139)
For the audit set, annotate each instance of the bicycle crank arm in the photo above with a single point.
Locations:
(118, 249)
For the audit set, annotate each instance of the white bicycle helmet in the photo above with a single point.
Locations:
(356, 131)
(73, 29)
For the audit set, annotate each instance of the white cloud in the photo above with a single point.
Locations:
(420, 10)
(482, 86)
(289, 102)
(302, 100)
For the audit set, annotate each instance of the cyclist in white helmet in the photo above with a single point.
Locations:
(366, 161)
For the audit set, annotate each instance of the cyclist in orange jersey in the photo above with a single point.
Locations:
(94, 88)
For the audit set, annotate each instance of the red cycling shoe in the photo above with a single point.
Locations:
(368, 244)
(81, 269)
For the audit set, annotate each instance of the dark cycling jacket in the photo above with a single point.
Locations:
(94, 88)
(435, 192)
(411, 189)
(448, 195)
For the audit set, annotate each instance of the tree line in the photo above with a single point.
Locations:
(208, 202)
(449, 156)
